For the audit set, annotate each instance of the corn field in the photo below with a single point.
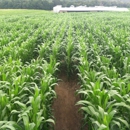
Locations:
(34, 45)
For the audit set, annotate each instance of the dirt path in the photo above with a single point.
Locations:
(65, 112)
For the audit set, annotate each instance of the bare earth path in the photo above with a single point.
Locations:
(65, 112)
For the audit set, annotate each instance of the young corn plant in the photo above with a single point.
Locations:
(97, 107)
(70, 56)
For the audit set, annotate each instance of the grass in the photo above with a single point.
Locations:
(20, 11)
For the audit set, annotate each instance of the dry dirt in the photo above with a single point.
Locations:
(65, 111)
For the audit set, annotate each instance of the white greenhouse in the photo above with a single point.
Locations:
(59, 8)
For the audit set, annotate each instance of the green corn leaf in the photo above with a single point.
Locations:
(122, 104)
(115, 124)
(101, 112)
(50, 121)
(31, 126)
(91, 111)
(103, 127)
(7, 127)
(123, 121)
(20, 104)
(15, 112)
(84, 102)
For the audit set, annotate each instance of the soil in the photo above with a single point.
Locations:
(66, 114)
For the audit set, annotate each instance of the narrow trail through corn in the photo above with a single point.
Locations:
(65, 112)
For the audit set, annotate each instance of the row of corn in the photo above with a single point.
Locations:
(104, 74)
(27, 73)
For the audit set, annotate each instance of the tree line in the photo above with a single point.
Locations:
(49, 4)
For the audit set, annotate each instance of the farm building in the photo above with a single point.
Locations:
(59, 8)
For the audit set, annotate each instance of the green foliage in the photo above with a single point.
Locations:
(35, 44)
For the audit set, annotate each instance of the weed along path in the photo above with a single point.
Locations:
(66, 113)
